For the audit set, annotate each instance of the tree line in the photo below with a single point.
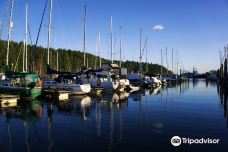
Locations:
(69, 60)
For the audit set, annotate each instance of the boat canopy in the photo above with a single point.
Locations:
(133, 76)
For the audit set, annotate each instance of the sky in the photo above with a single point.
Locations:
(195, 29)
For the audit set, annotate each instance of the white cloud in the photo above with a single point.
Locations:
(158, 27)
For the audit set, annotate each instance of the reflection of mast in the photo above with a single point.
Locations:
(50, 147)
(26, 134)
(140, 106)
(121, 126)
(98, 118)
(111, 126)
(9, 135)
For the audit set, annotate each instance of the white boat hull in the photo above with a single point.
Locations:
(105, 84)
(77, 89)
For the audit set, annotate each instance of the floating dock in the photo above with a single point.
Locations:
(96, 91)
(56, 94)
(8, 100)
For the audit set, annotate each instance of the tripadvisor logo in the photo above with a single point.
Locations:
(176, 141)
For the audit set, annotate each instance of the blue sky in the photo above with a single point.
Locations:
(196, 29)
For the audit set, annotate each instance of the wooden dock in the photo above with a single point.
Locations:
(96, 91)
(56, 94)
(8, 100)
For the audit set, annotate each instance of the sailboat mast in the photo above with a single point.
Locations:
(9, 28)
(95, 56)
(84, 37)
(49, 33)
(57, 60)
(146, 60)
(172, 59)
(177, 62)
(121, 43)
(166, 55)
(99, 48)
(161, 62)
(23, 57)
(4, 18)
(140, 49)
(26, 38)
(111, 38)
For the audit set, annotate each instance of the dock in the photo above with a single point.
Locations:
(8, 100)
(96, 91)
(56, 94)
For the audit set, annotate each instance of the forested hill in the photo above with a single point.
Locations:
(69, 60)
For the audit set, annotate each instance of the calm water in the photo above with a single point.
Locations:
(143, 121)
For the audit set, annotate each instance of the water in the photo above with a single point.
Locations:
(120, 122)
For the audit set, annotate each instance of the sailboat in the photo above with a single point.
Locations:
(102, 78)
(66, 80)
(25, 84)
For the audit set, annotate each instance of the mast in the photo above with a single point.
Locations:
(111, 38)
(99, 48)
(84, 37)
(26, 37)
(140, 49)
(121, 43)
(23, 57)
(57, 61)
(146, 60)
(172, 59)
(166, 60)
(95, 56)
(161, 63)
(49, 33)
(9, 28)
(4, 18)
(177, 62)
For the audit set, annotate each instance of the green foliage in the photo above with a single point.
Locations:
(69, 60)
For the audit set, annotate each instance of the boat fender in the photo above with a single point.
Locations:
(40, 83)
(98, 82)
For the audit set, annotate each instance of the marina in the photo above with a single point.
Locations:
(113, 76)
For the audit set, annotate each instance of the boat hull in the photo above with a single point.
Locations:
(104, 84)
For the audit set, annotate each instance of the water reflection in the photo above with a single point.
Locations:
(27, 112)
(108, 121)
(79, 105)
(223, 94)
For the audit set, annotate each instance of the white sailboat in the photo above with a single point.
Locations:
(68, 84)
(103, 80)
(76, 89)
